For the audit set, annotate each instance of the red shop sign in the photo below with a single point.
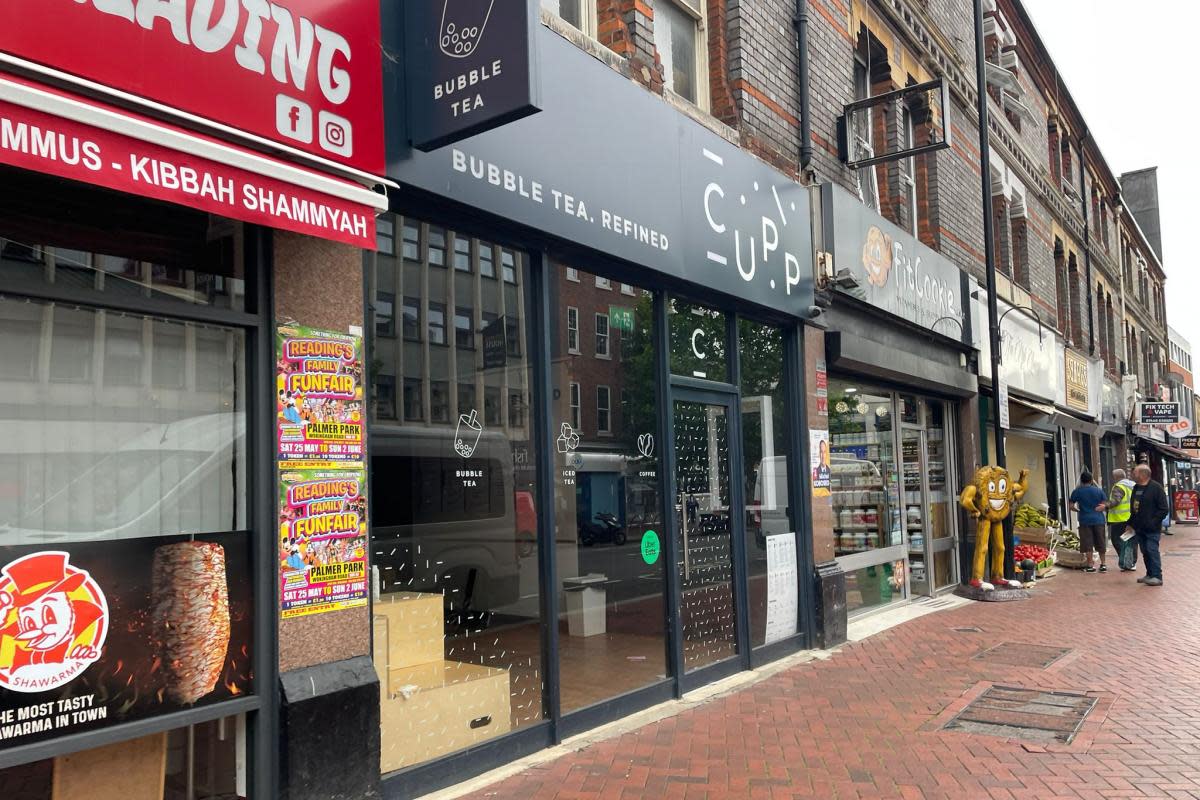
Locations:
(1187, 505)
(104, 156)
(303, 73)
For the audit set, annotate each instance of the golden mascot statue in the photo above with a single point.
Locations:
(990, 499)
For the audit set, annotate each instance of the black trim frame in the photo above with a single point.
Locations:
(260, 707)
(544, 256)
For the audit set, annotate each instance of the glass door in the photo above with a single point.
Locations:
(704, 529)
(912, 454)
(939, 499)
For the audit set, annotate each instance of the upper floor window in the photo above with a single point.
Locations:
(602, 336)
(578, 13)
(678, 37)
(385, 235)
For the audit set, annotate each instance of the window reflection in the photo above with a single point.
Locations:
(454, 530)
(607, 492)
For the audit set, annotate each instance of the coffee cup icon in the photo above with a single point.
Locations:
(466, 436)
(463, 22)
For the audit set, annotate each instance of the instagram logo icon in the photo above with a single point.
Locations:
(335, 134)
(462, 26)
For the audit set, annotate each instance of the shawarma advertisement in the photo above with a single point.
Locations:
(319, 398)
(100, 633)
(322, 541)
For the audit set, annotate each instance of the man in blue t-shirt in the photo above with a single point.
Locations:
(1088, 500)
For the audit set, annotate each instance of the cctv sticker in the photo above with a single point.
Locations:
(53, 622)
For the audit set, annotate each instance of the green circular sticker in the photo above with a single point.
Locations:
(650, 547)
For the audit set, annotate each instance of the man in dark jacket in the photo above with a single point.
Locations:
(1149, 506)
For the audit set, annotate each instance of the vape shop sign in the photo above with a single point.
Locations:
(1158, 413)
(470, 67)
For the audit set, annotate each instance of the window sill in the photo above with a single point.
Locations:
(603, 357)
(574, 352)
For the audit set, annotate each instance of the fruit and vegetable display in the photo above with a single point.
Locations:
(1029, 517)
(1068, 540)
(1034, 552)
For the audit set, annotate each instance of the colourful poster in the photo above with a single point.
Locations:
(819, 461)
(322, 541)
(96, 634)
(319, 398)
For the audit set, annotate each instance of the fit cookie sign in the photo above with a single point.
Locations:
(54, 621)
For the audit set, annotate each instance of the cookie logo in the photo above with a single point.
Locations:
(53, 622)
(877, 256)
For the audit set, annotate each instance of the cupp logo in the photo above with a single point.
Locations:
(462, 26)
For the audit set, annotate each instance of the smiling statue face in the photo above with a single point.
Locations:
(994, 492)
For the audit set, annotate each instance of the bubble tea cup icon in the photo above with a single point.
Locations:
(462, 26)
(466, 436)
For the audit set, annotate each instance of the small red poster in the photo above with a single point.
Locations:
(1187, 506)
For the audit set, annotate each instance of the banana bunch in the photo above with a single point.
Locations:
(1029, 517)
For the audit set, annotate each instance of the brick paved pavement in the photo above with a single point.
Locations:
(862, 724)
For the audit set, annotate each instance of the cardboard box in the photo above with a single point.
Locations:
(429, 710)
(409, 630)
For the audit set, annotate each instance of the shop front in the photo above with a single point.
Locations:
(150, 234)
(586, 369)
(1033, 388)
(898, 352)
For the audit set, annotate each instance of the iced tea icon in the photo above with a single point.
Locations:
(462, 26)
(466, 436)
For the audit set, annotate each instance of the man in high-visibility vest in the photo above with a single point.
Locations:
(1120, 507)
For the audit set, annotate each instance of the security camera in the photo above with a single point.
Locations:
(815, 311)
(844, 279)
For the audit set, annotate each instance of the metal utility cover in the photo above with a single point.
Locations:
(1031, 715)
(1014, 654)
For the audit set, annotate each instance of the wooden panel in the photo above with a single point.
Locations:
(133, 770)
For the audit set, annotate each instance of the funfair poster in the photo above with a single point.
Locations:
(319, 402)
(94, 634)
(322, 541)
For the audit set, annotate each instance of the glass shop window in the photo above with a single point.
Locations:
(454, 545)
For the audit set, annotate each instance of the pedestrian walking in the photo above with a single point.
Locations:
(1088, 501)
(1118, 508)
(1148, 507)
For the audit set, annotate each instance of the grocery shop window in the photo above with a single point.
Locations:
(678, 36)
(385, 314)
(462, 254)
(608, 497)
(576, 417)
(602, 336)
(603, 410)
(572, 330)
(453, 535)
(437, 246)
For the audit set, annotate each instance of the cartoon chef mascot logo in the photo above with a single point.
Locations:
(53, 622)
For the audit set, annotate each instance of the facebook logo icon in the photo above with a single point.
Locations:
(293, 118)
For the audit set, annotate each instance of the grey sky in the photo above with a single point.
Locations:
(1131, 82)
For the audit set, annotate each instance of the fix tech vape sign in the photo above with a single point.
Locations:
(53, 622)
(303, 73)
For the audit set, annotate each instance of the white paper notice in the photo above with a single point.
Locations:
(782, 600)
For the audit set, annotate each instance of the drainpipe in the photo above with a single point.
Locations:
(1087, 248)
(800, 23)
